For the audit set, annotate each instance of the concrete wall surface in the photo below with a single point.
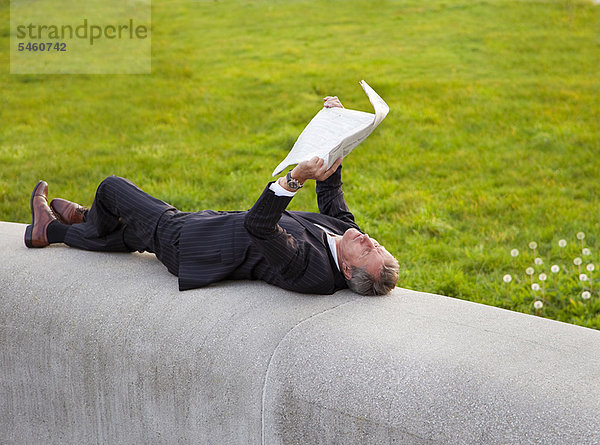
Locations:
(103, 348)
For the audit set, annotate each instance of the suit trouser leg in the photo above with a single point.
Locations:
(123, 218)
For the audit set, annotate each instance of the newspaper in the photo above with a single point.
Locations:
(335, 132)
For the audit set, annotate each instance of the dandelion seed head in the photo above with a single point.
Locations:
(542, 277)
(583, 277)
(507, 278)
(535, 287)
(533, 245)
(555, 268)
(538, 304)
(514, 253)
(577, 261)
(586, 295)
(586, 251)
(580, 235)
(538, 261)
(590, 267)
(562, 243)
(529, 271)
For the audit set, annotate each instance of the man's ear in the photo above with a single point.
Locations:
(346, 270)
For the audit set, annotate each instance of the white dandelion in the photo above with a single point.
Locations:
(538, 261)
(583, 277)
(586, 251)
(535, 287)
(590, 267)
(507, 278)
(577, 261)
(533, 245)
(542, 277)
(562, 243)
(514, 253)
(555, 268)
(538, 304)
(580, 237)
(586, 295)
(529, 271)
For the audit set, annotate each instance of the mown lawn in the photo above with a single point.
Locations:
(493, 139)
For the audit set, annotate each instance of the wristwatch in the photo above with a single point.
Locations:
(292, 183)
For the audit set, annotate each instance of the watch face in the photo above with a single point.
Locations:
(292, 183)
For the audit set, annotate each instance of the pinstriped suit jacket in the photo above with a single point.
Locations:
(267, 243)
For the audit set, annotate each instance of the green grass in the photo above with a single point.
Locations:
(493, 138)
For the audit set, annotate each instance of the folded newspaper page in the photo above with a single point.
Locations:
(335, 132)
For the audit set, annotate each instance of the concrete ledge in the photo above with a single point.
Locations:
(102, 348)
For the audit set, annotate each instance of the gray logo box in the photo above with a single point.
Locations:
(87, 37)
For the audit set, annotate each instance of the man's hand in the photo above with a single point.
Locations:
(316, 168)
(331, 102)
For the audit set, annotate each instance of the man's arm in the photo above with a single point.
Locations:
(330, 198)
(293, 258)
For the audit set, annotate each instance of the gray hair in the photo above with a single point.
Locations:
(364, 284)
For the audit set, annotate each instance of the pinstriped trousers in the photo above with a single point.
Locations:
(123, 218)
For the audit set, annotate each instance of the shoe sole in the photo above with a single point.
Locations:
(29, 229)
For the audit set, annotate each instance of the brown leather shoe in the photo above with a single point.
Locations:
(68, 212)
(41, 217)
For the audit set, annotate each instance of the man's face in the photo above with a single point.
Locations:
(358, 250)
